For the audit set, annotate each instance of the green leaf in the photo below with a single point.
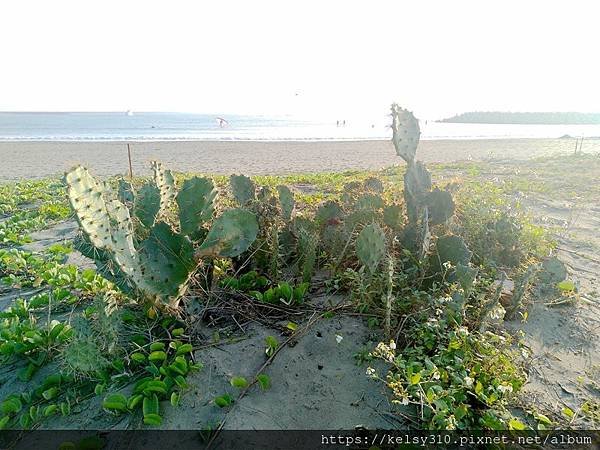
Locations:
(515, 424)
(271, 342)
(155, 346)
(134, 401)
(223, 401)
(239, 382)
(264, 381)
(292, 326)
(415, 378)
(175, 398)
(49, 394)
(568, 412)
(150, 405)
(4, 422)
(185, 348)
(50, 410)
(11, 405)
(478, 388)
(566, 286)
(152, 419)
(138, 357)
(115, 402)
(157, 356)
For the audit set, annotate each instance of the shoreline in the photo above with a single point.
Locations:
(38, 159)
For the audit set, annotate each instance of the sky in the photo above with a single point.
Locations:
(307, 58)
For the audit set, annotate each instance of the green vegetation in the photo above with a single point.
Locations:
(420, 260)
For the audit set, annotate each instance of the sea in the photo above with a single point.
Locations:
(158, 126)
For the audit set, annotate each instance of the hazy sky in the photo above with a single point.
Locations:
(302, 57)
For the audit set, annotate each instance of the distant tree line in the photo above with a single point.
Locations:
(552, 118)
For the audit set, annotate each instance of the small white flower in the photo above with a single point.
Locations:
(392, 345)
(435, 375)
(338, 338)
(404, 401)
(505, 388)
(462, 331)
(370, 371)
(468, 381)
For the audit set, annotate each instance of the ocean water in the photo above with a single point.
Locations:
(184, 126)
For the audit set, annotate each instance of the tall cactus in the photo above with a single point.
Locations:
(158, 263)
(424, 206)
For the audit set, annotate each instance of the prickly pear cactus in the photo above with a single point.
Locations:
(125, 193)
(243, 189)
(374, 184)
(147, 204)
(417, 183)
(196, 204)
(452, 249)
(440, 205)
(156, 264)
(286, 201)
(86, 197)
(166, 261)
(231, 234)
(406, 133)
(165, 183)
(370, 246)
(392, 216)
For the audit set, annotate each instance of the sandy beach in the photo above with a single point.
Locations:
(40, 159)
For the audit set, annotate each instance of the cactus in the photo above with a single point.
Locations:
(243, 189)
(147, 204)
(371, 246)
(452, 249)
(286, 201)
(157, 265)
(417, 183)
(374, 184)
(231, 234)
(440, 205)
(424, 206)
(406, 133)
(166, 259)
(164, 181)
(328, 212)
(392, 216)
(125, 193)
(196, 204)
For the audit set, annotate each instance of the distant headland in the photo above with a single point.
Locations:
(546, 118)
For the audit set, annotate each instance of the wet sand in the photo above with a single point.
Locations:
(40, 159)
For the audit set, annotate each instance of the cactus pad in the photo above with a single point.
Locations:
(452, 249)
(147, 204)
(165, 183)
(370, 246)
(87, 200)
(441, 206)
(286, 201)
(374, 184)
(166, 260)
(392, 216)
(406, 133)
(231, 234)
(196, 204)
(243, 189)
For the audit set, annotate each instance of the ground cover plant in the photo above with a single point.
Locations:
(181, 263)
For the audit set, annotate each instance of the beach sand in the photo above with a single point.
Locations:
(40, 159)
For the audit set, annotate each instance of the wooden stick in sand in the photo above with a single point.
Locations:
(130, 167)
